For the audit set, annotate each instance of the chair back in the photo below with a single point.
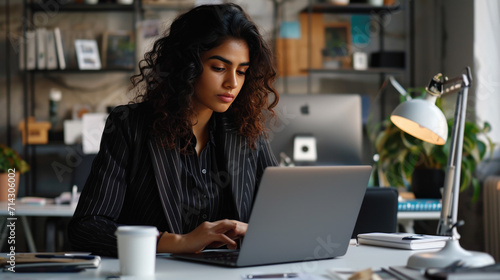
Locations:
(379, 211)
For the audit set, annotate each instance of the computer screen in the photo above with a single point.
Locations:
(328, 125)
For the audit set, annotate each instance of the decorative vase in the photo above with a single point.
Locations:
(427, 183)
(6, 180)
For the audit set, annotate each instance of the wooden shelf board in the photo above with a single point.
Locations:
(380, 70)
(72, 7)
(351, 9)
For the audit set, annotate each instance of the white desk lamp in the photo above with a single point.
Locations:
(424, 120)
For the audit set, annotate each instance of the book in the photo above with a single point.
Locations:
(68, 38)
(409, 241)
(30, 43)
(41, 53)
(51, 50)
(420, 204)
(50, 262)
(405, 273)
(59, 48)
(21, 52)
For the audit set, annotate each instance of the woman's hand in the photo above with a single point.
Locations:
(208, 234)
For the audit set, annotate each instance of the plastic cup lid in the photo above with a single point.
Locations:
(137, 230)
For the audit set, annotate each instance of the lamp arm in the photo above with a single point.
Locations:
(449, 211)
(440, 85)
(452, 252)
(445, 221)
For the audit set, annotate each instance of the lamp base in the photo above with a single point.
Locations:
(451, 252)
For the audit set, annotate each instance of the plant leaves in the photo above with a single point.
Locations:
(10, 159)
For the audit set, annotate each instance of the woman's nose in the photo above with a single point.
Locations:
(231, 80)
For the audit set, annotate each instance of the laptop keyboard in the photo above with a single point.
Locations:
(221, 257)
(226, 257)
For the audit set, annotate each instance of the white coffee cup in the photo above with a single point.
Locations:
(137, 250)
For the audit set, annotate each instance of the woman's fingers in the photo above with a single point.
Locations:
(236, 227)
(214, 234)
(225, 225)
(224, 233)
(241, 229)
(223, 240)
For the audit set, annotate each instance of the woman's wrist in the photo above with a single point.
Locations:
(159, 237)
(168, 242)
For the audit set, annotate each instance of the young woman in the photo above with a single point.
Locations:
(188, 155)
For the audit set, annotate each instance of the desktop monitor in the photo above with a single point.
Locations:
(320, 129)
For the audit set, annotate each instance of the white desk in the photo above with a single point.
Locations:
(48, 210)
(357, 258)
(24, 210)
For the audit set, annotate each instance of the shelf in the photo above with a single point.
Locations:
(72, 7)
(78, 71)
(352, 9)
(380, 70)
(54, 144)
(167, 7)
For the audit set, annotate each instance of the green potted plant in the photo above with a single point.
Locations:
(11, 165)
(401, 156)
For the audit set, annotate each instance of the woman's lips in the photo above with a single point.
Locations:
(226, 97)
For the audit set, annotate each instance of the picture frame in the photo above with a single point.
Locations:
(87, 54)
(337, 46)
(118, 50)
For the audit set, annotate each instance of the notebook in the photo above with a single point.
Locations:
(300, 214)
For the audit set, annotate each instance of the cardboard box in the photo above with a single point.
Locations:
(37, 132)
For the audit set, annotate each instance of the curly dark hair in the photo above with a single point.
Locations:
(169, 71)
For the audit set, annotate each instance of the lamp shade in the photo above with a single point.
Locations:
(422, 119)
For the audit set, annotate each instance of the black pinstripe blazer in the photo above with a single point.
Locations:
(135, 180)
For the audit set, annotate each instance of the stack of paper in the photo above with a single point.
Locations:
(409, 241)
(50, 262)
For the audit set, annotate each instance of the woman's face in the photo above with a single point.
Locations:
(223, 75)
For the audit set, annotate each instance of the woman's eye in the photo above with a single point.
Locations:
(218, 69)
(242, 73)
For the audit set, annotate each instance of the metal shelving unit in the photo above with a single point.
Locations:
(369, 71)
(76, 71)
(352, 8)
(79, 7)
(30, 7)
(380, 12)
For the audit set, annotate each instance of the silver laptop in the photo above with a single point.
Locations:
(300, 214)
